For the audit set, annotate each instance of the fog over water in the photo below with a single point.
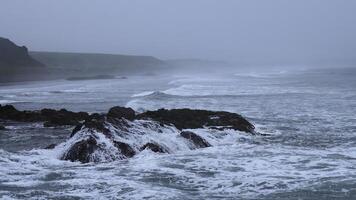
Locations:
(241, 31)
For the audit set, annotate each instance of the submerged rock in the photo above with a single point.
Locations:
(198, 141)
(51, 146)
(125, 149)
(191, 119)
(153, 147)
(81, 150)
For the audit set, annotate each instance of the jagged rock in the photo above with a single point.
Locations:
(121, 112)
(81, 151)
(94, 122)
(51, 146)
(190, 119)
(198, 141)
(125, 149)
(153, 147)
(76, 129)
(62, 117)
(9, 112)
(50, 116)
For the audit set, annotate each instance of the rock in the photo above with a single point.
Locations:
(81, 151)
(191, 119)
(153, 147)
(76, 129)
(2, 128)
(62, 117)
(93, 122)
(125, 149)
(51, 146)
(50, 116)
(121, 112)
(9, 112)
(198, 141)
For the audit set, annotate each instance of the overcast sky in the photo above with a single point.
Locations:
(233, 30)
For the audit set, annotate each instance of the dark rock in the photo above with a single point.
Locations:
(190, 119)
(51, 146)
(62, 117)
(125, 149)
(76, 129)
(81, 151)
(153, 147)
(9, 112)
(2, 127)
(94, 122)
(121, 112)
(195, 139)
(50, 116)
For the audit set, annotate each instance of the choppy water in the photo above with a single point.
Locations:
(311, 153)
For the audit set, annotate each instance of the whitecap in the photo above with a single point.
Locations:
(8, 101)
(142, 94)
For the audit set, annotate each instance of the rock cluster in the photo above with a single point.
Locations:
(119, 118)
(190, 119)
(50, 117)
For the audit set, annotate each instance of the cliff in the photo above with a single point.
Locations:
(13, 56)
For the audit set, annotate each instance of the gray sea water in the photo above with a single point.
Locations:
(310, 153)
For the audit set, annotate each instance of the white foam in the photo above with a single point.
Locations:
(141, 94)
(3, 101)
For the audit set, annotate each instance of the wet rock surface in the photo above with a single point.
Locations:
(198, 141)
(123, 122)
(81, 151)
(125, 149)
(154, 147)
(190, 119)
(121, 112)
(50, 117)
(51, 146)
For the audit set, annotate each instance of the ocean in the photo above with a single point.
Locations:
(309, 152)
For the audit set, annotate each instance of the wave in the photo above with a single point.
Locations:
(261, 75)
(236, 165)
(200, 91)
(138, 133)
(142, 94)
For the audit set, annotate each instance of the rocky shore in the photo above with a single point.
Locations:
(113, 135)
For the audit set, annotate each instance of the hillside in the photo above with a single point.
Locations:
(17, 64)
(90, 63)
(13, 56)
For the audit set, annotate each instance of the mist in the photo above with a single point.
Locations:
(276, 32)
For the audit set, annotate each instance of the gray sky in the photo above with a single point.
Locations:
(246, 30)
